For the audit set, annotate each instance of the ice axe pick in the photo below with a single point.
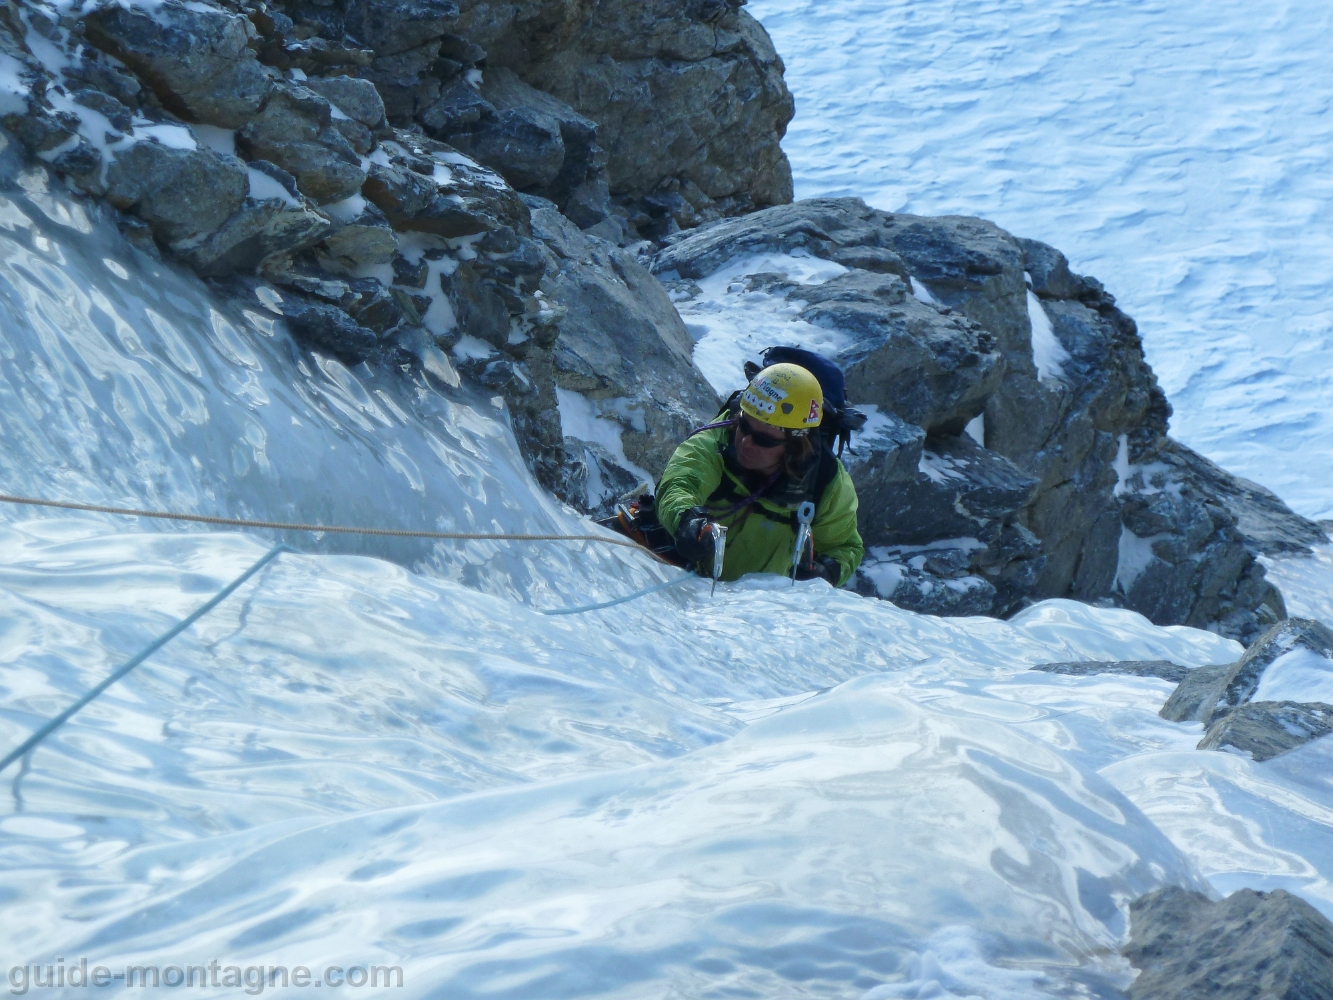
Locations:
(805, 515)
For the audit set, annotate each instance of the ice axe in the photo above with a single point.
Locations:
(805, 514)
(719, 552)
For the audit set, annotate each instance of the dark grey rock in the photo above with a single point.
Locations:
(538, 143)
(461, 51)
(1164, 669)
(139, 235)
(1184, 560)
(971, 265)
(821, 226)
(197, 61)
(406, 81)
(183, 194)
(411, 274)
(478, 306)
(40, 131)
(413, 196)
(1267, 729)
(294, 130)
(931, 369)
(579, 186)
(958, 489)
(392, 26)
(260, 230)
(675, 99)
(917, 588)
(360, 138)
(1264, 522)
(460, 106)
(116, 113)
(521, 144)
(93, 71)
(918, 495)
(328, 328)
(595, 478)
(376, 307)
(1198, 695)
(534, 415)
(1251, 945)
(889, 455)
(316, 56)
(876, 259)
(1282, 638)
(367, 239)
(621, 342)
(356, 98)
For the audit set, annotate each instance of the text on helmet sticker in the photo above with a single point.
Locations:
(762, 405)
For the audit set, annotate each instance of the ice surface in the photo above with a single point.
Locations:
(1048, 354)
(732, 320)
(587, 420)
(1306, 583)
(1183, 154)
(1299, 674)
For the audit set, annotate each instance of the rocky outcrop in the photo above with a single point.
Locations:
(1267, 729)
(1210, 691)
(196, 59)
(161, 184)
(620, 343)
(283, 149)
(952, 319)
(688, 97)
(601, 397)
(1284, 638)
(1249, 945)
(1163, 669)
(1222, 696)
(1198, 694)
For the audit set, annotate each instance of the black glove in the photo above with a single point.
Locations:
(694, 540)
(823, 568)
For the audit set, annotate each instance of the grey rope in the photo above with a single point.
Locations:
(331, 528)
(26, 747)
(619, 600)
(48, 728)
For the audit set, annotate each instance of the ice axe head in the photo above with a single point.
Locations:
(719, 551)
(805, 515)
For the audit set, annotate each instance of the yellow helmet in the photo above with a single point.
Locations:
(784, 395)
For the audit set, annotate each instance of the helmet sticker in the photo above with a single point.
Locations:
(762, 405)
(813, 415)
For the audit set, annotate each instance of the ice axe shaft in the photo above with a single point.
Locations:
(719, 553)
(805, 515)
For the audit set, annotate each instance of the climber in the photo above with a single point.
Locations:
(750, 471)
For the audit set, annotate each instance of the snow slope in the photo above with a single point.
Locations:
(1182, 153)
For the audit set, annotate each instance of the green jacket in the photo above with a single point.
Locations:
(757, 542)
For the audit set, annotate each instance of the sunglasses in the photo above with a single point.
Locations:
(759, 438)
